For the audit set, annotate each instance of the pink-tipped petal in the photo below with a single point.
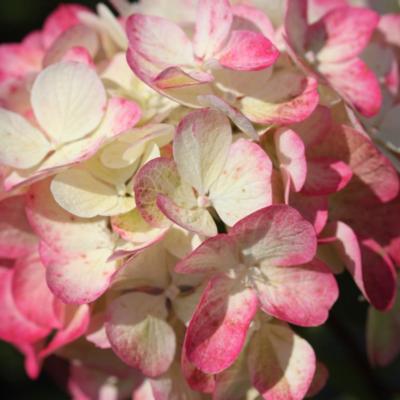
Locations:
(277, 234)
(63, 232)
(281, 364)
(156, 44)
(16, 236)
(379, 275)
(314, 129)
(195, 378)
(14, 326)
(76, 322)
(78, 278)
(373, 273)
(77, 36)
(295, 24)
(286, 98)
(301, 294)
(218, 328)
(29, 289)
(216, 254)
(250, 18)
(352, 80)
(62, 18)
(213, 23)
(313, 208)
(326, 176)
(248, 51)
(348, 31)
(159, 177)
(141, 337)
(374, 177)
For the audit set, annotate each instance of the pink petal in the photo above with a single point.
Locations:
(250, 18)
(318, 8)
(218, 328)
(313, 208)
(290, 151)
(379, 275)
(277, 234)
(326, 176)
(62, 18)
(75, 325)
(248, 51)
(79, 55)
(32, 363)
(19, 61)
(367, 263)
(213, 23)
(77, 36)
(348, 30)
(287, 97)
(156, 44)
(78, 278)
(295, 24)
(64, 232)
(352, 80)
(281, 364)
(389, 26)
(16, 236)
(160, 177)
(314, 129)
(216, 254)
(141, 338)
(195, 378)
(29, 289)
(374, 178)
(348, 249)
(301, 294)
(14, 326)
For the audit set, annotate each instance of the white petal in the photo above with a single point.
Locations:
(78, 192)
(68, 100)
(22, 145)
(201, 146)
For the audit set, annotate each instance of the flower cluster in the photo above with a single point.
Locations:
(180, 184)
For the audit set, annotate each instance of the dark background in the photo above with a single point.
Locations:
(340, 343)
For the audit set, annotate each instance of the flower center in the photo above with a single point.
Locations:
(203, 202)
(172, 292)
